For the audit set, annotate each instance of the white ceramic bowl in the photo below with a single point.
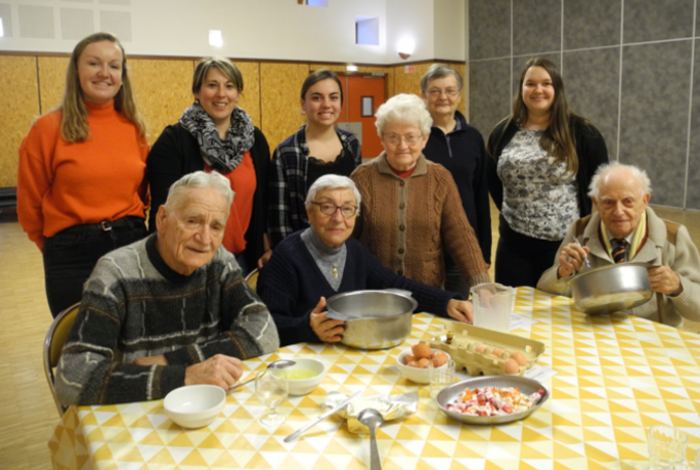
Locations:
(194, 406)
(415, 374)
(304, 386)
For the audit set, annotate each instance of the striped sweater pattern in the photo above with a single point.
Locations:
(134, 306)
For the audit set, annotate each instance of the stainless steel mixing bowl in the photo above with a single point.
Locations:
(374, 319)
(611, 288)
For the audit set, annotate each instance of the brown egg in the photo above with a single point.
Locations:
(439, 360)
(421, 350)
(409, 358)
(520, 357)
(438, 353)
(498, 352)
(481, 349)
(423, 362)
(412, 364)
(511, 367)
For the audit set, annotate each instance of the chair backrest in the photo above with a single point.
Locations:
(252, 279)
(53, 344)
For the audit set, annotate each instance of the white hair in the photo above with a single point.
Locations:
(608, 168)
(407, 109)
(199, 179)
(331, 182)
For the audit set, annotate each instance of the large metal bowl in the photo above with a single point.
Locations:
(526, 385)
(611, 288)
(374, 319)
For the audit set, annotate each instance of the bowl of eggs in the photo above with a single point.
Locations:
(413, 362)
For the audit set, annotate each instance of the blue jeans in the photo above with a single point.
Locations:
(71, 254)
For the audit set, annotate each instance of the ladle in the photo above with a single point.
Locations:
(280, 364)
(372, 418)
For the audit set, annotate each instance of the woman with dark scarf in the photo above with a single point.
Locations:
(215, 135)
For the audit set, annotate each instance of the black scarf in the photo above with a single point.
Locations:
(222, 155)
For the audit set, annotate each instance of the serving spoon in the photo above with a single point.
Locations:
(372, 418)
(280, 364)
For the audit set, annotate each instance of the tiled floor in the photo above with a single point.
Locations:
(27, 411)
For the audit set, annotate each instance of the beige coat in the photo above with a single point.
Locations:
(408, 223)
(682, 256)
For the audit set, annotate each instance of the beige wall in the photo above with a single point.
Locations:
(31, 85)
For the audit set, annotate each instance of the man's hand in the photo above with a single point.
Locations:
(220, 370)
(665, 280)
(327, 329)
(460, 310)
(150, 360)
(571, 259)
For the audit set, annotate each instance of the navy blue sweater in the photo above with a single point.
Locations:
(291, 285)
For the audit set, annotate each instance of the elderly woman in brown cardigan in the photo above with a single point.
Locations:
(411, 209)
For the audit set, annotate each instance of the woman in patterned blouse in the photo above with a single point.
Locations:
(542, 158)
(318, 148)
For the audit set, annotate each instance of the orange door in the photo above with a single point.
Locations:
(363, 96)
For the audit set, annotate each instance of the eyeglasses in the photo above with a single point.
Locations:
(395, 139)
(328, 208)
(436, 92)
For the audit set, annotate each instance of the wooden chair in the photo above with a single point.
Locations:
(252, 279)
(53, 344)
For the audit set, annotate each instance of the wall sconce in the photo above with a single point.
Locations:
(406, 46)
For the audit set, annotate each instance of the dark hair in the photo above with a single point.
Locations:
(226, 67)
(557, 139)
(317, 76)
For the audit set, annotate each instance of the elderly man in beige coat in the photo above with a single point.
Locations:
(623, 229)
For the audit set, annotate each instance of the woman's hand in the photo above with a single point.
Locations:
(571, 259)
(327, 329)
(220, 370)
(461, 310)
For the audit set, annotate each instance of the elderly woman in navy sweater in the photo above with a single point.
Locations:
(322, 261)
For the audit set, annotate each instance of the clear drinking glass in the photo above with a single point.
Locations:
(271, 388)
(441, 377)
(666, 448)
(697, 459)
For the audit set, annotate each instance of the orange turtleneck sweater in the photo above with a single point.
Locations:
(63, 184)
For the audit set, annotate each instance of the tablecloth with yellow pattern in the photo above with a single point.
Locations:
(616, 376)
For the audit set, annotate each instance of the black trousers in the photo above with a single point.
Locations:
(521, 260)
(70, 256)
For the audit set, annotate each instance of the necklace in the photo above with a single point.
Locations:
(335, 271)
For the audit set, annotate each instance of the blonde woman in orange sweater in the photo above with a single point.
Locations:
(81, 188)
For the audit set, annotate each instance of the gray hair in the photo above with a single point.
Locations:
(199, 179)
(407, 109)
(436, 71)
(607, 168)
(332, 182)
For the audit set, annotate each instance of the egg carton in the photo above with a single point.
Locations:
(465, 344)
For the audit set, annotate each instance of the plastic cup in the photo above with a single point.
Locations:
(666, 448)
(492, 306)
(441, 377)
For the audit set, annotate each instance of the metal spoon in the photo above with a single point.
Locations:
(281, 364)
(372, 418)
(586, 260)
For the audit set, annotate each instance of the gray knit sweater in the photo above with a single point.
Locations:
(134, 305)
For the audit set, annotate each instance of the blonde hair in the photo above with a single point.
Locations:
(74, 126)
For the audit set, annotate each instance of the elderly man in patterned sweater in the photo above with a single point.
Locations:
(167, 311)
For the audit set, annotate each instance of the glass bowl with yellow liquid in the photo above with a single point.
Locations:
(305, 375)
